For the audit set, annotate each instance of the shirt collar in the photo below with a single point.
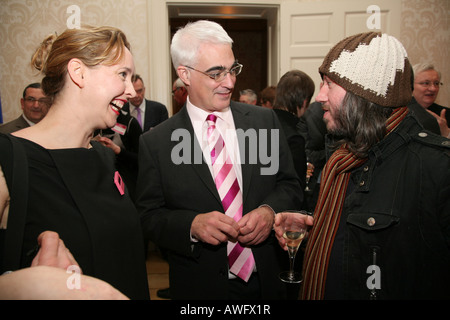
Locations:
(141, 106)
(31, 123)
(198, 115)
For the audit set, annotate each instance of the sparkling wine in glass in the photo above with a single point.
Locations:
(294, 232)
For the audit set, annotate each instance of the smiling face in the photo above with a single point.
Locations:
(35, 104)
(331, 96)
(203, 91)
(109, 87)
(426, 94)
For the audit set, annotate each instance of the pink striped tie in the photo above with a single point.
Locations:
(240, 259)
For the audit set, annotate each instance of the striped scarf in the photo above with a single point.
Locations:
(327, 214)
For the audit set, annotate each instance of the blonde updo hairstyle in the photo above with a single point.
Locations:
(92, 45)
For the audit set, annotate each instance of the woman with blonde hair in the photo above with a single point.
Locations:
(58, 179)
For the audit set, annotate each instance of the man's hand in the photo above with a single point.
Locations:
(282, 217)
(214, 228)
(256, 226)
(442, 121)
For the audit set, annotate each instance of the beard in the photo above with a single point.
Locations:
(337, 127)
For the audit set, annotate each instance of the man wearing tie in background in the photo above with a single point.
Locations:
(182, 205)
(147, 112)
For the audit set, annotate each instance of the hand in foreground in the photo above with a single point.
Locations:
(49, 283)
(255, 226)
(53, 252)
(214, 228)
(283, 217)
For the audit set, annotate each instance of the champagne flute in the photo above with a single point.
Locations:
(307, 184)
(294, 230)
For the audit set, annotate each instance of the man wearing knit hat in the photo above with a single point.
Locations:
(382, 221)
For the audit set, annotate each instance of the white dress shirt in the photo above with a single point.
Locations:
(225, 125)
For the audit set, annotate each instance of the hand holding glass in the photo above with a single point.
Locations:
(294, 230)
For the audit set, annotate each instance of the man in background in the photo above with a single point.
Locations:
(248, 96)
(34, 105)
(179, 94)
(267, 96)
(147, 112)
(433, 117)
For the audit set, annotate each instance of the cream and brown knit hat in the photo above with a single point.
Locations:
(373, 66)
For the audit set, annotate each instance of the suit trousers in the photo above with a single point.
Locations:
(238, 289)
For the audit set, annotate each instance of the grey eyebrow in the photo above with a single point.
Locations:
(221, 68)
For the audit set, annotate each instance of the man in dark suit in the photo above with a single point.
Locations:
(151, 112)
(34, 105)
(182, 209)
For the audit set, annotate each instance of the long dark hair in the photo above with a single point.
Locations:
(361, 124)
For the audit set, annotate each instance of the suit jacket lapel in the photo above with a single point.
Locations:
(242, 121)
(202, 170)
(147, 116)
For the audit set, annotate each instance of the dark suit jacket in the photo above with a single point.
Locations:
(155, 113)
(427, 120)
(296, 143)
(14, 125)
(127, 159)
(171, 195)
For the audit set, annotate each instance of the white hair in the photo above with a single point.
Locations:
(421, 67)
(187, 40)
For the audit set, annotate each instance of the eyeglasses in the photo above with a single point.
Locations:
(220, 75)
(427, 84)
(41, 102)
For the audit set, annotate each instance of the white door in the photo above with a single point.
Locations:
(308, 30)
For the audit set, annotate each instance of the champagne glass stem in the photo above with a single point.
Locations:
(307, 184)
(292, 254)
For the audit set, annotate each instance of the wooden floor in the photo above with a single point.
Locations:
(157, 271)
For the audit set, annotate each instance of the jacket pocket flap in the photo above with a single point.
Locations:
(372, 221)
